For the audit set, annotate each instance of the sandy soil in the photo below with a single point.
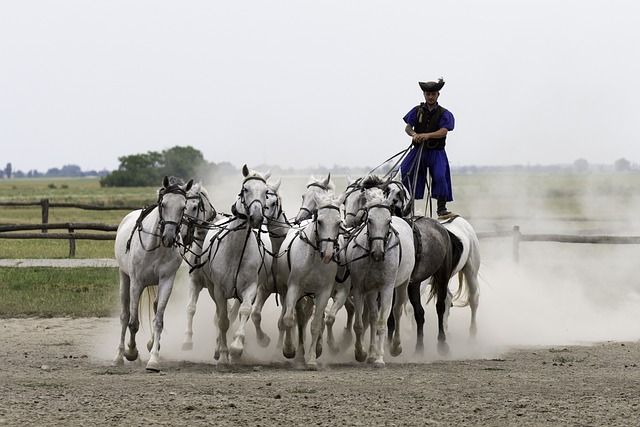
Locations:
(57, 372)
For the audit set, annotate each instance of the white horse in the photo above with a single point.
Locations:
(236, 260)
(308, 263)
(199, 214)
(381, 257)
(309, 203)
(277, 228)
(146, 249)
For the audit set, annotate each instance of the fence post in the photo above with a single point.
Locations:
(72, 243)
(516, 243)
(44, 203)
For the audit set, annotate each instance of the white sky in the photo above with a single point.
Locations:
(301, 83)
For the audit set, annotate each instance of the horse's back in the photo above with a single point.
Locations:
(407, 259)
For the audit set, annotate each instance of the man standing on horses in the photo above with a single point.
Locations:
(428, 125)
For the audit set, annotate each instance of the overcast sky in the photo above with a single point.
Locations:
(308, 83)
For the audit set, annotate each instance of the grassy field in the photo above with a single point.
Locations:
(543, 203)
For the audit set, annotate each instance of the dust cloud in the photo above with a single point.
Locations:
(557, 294)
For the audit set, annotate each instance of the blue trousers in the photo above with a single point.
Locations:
(433, 162)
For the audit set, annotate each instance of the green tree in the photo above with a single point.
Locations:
(136, 170)
(147, 170)
(622, 165)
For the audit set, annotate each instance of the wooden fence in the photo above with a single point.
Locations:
(8, 231)
(11, 231)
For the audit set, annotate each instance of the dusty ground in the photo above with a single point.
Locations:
(57, 372)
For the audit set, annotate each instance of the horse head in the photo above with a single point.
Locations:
(273, 206)
(353, 201)
(378, 222)
(395, 191)
(172, 199)
(198, 213)
(253, 197)
(328, 222)
(309, 205)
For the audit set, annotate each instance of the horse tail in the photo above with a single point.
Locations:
(462, 293)
(145, 304)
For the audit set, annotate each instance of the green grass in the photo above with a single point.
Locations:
(58, 292)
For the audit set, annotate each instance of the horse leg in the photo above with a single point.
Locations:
(289, 321)
(304, 308)
(371, 301)
(164, 292)
(386, 301)
(222, 318)
(414, 294)
(195, 288)
(474, 299)
(358, 326)
(281, 328)
(339, 300)
(256, 316)
(317, 324)
(400, 299)
(237, 345)
(131, 353)
(391, 322)
(125, 283)
(347, 335)
(442, 290)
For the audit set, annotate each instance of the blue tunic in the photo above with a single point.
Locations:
(432, 162)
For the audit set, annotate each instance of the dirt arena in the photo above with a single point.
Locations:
(57, 372)
(558, 344)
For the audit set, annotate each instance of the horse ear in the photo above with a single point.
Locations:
(267, 175)
(276, 185)
(245, 171)
(189, 184)
(326, 181)
(349, 179)
(165, 181)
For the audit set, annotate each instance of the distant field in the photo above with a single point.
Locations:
(541, 202)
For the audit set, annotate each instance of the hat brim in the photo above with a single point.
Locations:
(431, 86)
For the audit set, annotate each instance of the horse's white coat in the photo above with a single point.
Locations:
(153, 258)
(381, 259)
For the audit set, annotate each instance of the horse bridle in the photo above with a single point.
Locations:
(313, 184)
(385, 238)
(244, 202)
(194, 221)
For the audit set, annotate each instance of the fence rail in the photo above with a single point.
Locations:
(10, 231)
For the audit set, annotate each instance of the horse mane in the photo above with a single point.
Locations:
(324, 200)
(375, 196)
(371, 181)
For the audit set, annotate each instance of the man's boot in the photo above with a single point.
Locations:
(442, 207)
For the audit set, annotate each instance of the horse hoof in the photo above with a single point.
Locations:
(264, 341)
(187, 346)
(222, 366)
(443, 348)
(216, 355)
(361, 356)
(378, 363)
(395, 351)
(131, 356)
(153, 366)
(117, 362)
(312, 366)
(289, 353)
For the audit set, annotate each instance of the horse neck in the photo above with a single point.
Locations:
(150, 234)
(278, 230)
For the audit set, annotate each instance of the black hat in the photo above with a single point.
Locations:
(431, 86)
